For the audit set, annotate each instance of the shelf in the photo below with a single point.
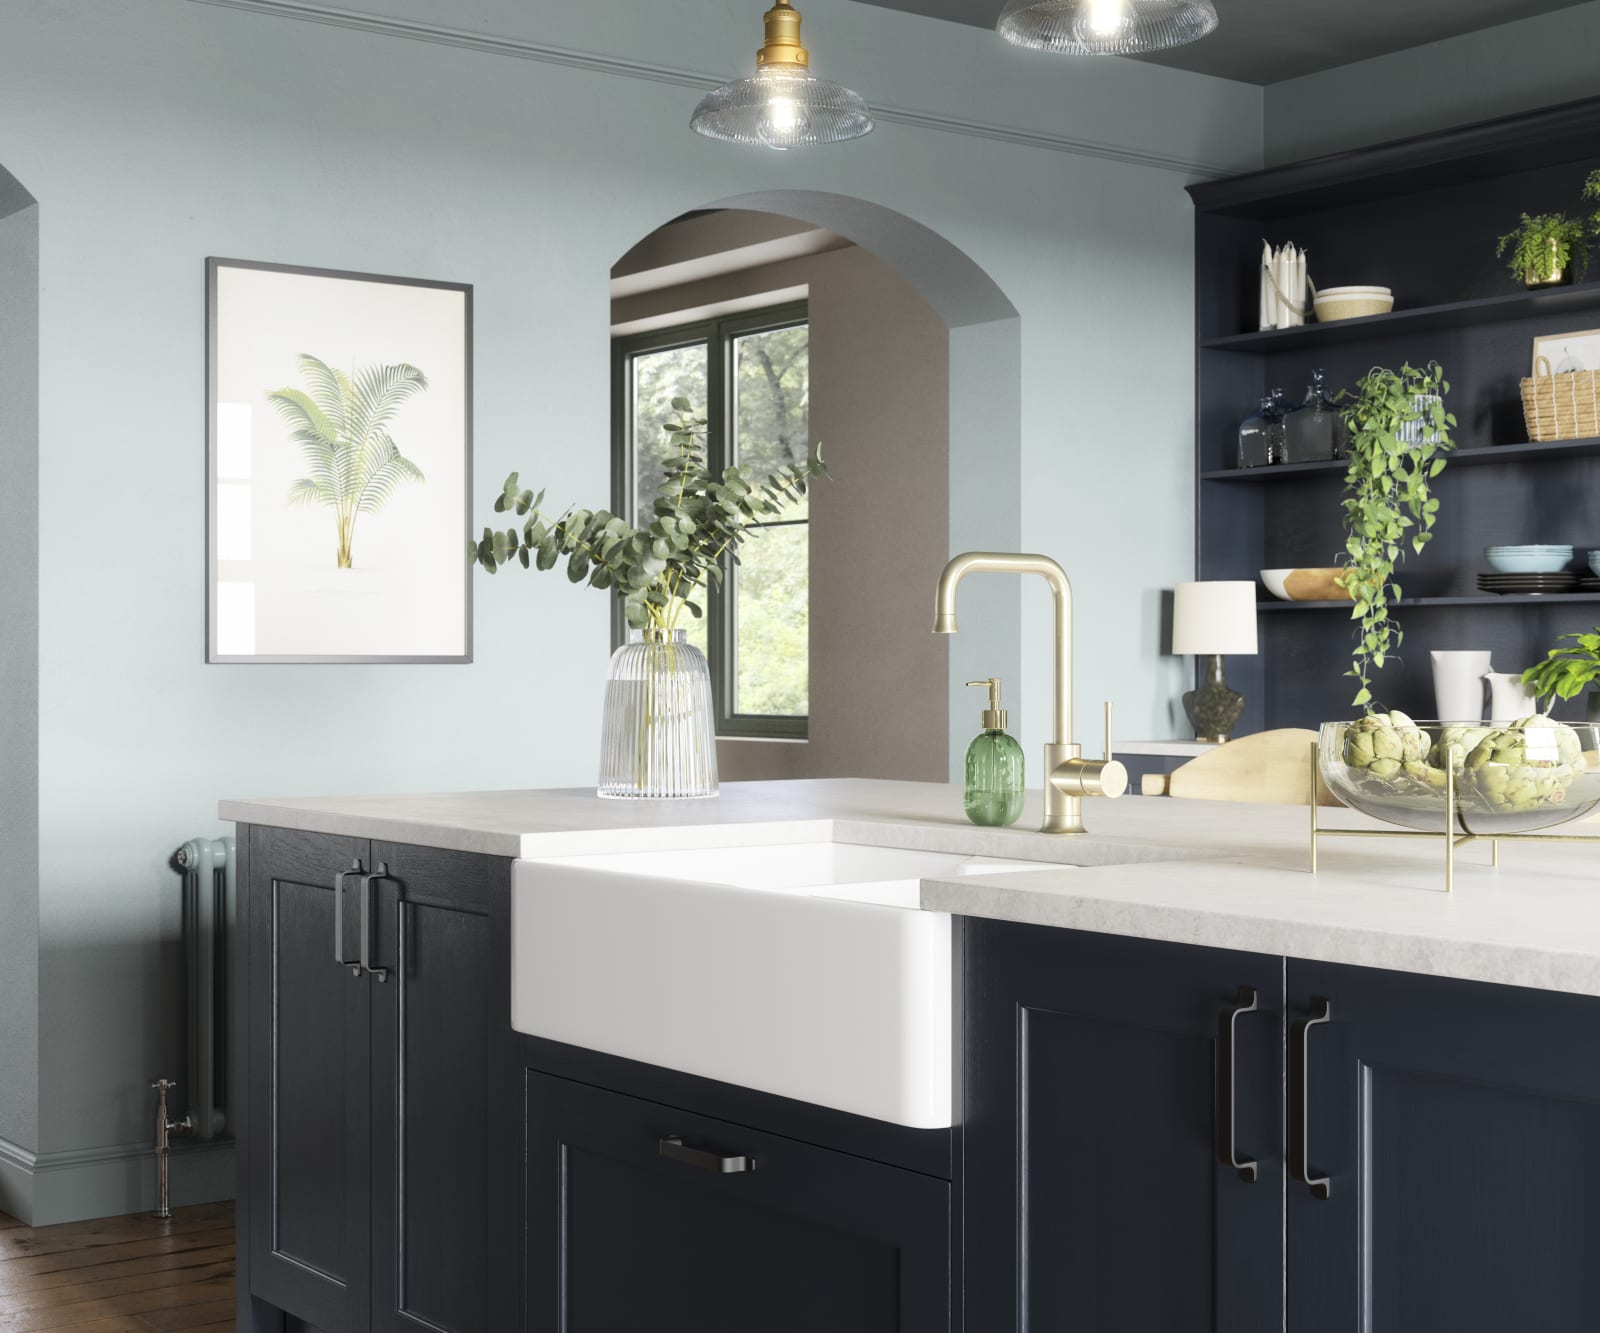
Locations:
(1498, 453)
(1476, 599)
(1418, 319)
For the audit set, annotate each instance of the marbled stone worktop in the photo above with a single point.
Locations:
(1196, 872)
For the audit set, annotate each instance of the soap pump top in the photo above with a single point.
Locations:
(995, 718)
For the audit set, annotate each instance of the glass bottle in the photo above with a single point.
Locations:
(994, 770)
(1283, 412)
(1261, 435)
(1315, 433)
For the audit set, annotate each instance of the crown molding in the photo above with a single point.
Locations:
(522, 49)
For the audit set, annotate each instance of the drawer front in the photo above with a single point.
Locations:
(646, 1216)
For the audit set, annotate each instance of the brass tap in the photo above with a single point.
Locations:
(1068, 776)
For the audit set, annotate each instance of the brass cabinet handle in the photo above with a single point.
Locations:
(1227, 1121)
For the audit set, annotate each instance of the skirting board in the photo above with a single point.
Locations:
(41, 1189)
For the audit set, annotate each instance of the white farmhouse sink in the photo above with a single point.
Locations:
(801, 969)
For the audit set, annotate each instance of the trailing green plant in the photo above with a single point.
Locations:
(1591, 195)
(1566, 672)
(658, 570)
(1545, 244)
(1399, 436)
(341, 427)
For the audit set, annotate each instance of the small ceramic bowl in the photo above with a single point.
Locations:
(1335, 303)
(1594, 562)
(1528, 559)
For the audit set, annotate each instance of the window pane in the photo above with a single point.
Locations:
(772, 400)
(772, 614)
(658, 378)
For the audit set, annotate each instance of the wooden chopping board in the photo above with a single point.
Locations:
(1270, 766)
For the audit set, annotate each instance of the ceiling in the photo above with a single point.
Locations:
(1263, 41)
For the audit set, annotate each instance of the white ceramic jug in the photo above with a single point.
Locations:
(1458, 684)
(1509, 698)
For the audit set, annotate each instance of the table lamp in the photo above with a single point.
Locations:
(1210, 620)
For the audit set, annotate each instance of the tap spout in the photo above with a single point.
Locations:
(1007, 562)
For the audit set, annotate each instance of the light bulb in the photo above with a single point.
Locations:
(783, 120)
(1106, 17)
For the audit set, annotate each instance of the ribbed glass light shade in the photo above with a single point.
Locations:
(1106, 27)
(782, 107)
(659, 737)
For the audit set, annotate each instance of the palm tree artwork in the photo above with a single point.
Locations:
(342, 429)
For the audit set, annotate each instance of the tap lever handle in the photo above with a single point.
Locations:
(1109, 755)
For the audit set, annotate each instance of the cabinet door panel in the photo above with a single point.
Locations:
(445, 1095)
(308, 1073)
(622, 1237)
(1098, 1197)
(1459, 1126)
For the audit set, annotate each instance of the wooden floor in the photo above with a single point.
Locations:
(119, 1274)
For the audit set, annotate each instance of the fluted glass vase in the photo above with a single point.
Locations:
(659, 739)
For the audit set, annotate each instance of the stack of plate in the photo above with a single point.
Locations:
(1530, 584)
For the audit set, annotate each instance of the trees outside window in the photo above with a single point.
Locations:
(752, 373)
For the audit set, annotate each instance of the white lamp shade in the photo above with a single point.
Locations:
(1215, 617)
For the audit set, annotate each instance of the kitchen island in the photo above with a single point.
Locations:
(1193, 1085)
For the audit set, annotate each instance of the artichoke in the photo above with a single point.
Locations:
(1382, 744)
(1455, 744)
(1523, 765)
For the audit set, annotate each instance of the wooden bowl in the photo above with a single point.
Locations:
(1307, 585)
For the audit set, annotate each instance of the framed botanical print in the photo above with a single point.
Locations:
(339, 446)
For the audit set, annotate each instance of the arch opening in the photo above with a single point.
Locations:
(979, 492)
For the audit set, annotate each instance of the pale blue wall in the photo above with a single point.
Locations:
(1496, 72)
(156, 134)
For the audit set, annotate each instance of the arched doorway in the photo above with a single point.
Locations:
(982, 490)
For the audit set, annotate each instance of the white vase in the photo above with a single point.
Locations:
(1509, 698)
(1458, 684)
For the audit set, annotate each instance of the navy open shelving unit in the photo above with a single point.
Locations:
(1420, 216)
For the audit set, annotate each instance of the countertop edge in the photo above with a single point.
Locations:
(1412, 952)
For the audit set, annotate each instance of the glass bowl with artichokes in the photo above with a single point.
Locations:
(1514, 777)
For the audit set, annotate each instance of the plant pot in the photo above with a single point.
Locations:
(658, 740)
(1559, 277)
(1594, 706)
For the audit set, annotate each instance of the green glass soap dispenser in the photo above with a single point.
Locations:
(993, 794)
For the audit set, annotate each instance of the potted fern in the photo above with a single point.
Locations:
(659, 737)
(1399, 434)
(1547, 250)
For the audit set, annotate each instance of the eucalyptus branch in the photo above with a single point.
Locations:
(698, 518)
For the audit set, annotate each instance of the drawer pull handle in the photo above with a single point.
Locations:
(722, 1164)
(1321, 1186)
(354, 964)
(1247, 1003)
(367, 895)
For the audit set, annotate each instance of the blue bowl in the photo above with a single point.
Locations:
(1512, 561)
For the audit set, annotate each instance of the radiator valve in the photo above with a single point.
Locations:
(165, 1129)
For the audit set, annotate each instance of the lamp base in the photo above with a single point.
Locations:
(1214, 710)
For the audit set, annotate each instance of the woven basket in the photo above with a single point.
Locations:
(1561, 407)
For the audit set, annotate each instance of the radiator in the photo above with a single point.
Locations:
(209, 994)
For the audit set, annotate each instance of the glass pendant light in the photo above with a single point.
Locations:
(783, 105)
(1106, 27)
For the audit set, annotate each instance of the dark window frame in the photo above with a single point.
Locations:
(720, 335)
